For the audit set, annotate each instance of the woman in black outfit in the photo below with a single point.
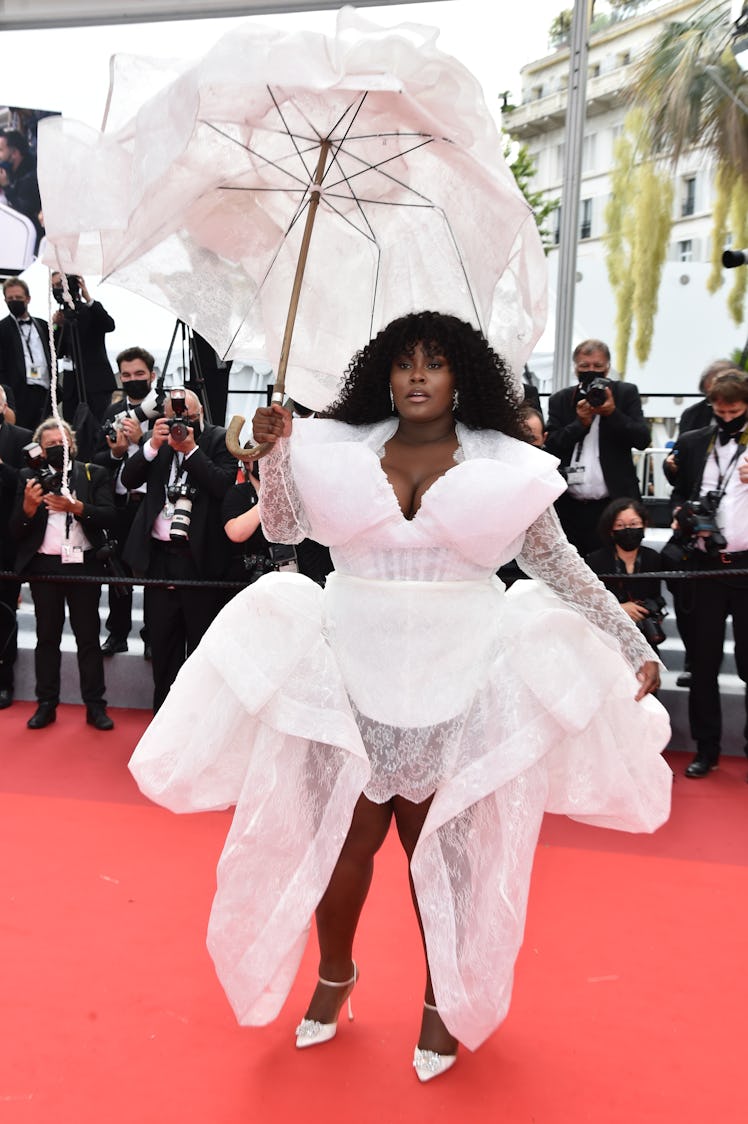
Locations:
(621, 527)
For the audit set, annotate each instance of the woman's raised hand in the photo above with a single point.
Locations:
(270, 423)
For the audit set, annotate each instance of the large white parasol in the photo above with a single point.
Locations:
(353, 178)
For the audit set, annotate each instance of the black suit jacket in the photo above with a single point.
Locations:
(12, 440)
(90, 326)
(91, 485)
(12, 358)
(621, 431)
(697, 416)
(212, 470)
(690, 452)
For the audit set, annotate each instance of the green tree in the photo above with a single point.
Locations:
(638, 219)
(560, 29)
(523, 168)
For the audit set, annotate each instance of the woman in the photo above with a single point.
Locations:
(410, 689)
(250, 557)
(622, 526)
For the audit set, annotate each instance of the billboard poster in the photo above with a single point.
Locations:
(21, 218)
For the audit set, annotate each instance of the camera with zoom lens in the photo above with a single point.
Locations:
(651, 626)
(179, 426)
(595, 391)
(697, 522)
(44, 474)
(284, 557)
(181, 495)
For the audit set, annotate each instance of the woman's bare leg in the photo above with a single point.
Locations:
(409, 819)
(340, 907)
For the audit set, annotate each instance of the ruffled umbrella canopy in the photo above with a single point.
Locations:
(198, 194)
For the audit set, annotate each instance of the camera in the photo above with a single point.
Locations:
(256, 565)
(181, 495)
(44, 474)
(111, 428)
(697, 520)
(178, 426)
(731, 259)
(595, 391)
(651, 626)
(284, 557)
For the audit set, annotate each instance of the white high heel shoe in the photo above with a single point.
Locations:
(309, 1032)
(427, 1063)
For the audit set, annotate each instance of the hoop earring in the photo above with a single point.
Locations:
(455, 399)
(392, 400)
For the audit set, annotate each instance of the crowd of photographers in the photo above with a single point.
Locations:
(155, 495)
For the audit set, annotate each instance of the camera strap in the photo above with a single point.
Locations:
(724, 476)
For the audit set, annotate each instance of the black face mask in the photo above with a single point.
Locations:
(628, 538)
(136, 389)
(732, 426)
(55, 457)
(196, 428)
(16, 308)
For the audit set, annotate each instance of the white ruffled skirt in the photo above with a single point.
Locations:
(502, 706)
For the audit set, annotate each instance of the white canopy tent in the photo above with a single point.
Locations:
(28, 14)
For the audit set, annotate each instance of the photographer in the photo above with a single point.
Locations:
(592, 428)
(622, 526)
(124, 425)
(710, 498)
(178, 531)
(79, 336)
(12, 442)
(60, 535)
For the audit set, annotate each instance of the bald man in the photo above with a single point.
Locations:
(178, 530)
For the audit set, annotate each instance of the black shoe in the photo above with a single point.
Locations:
(44, 715)
(98, 717)
(6, 697)
(705, 760)
(684, 679)
(112, 646)
(147, 653)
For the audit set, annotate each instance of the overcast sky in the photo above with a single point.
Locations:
(68, 69)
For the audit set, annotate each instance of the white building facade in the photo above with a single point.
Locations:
(692, 327)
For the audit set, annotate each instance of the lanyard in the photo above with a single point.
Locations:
(26, 337)
(723, 478)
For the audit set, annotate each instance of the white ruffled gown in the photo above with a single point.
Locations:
(413, 672)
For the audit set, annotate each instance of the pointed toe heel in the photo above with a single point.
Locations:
(310, 1032)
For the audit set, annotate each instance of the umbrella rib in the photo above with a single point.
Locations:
(290, 134)
(258, 155)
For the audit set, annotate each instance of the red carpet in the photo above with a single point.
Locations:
(630, 1001)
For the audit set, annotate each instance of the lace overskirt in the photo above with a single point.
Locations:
(535, 713)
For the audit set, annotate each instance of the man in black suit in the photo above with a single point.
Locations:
(712, 463)
(700, 413)
(21, 185)
(126, 423)
(59, 534)
(593, 440)
(24, 355)
(187, 472)
(79, 336)
(12, 441)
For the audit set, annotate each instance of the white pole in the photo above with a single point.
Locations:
(568, 233)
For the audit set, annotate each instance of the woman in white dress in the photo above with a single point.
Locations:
(411, 689)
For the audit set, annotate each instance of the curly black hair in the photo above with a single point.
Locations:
(485, 394)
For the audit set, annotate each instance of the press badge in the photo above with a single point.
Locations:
(34, 373)
(71, 553)
(575, 474)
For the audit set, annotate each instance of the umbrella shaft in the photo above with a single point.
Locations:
(280, 380)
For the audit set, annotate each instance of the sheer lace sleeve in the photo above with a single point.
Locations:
(281, 512)
(548, 555)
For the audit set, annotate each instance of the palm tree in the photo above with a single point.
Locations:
(695, 94)
(694, 91)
